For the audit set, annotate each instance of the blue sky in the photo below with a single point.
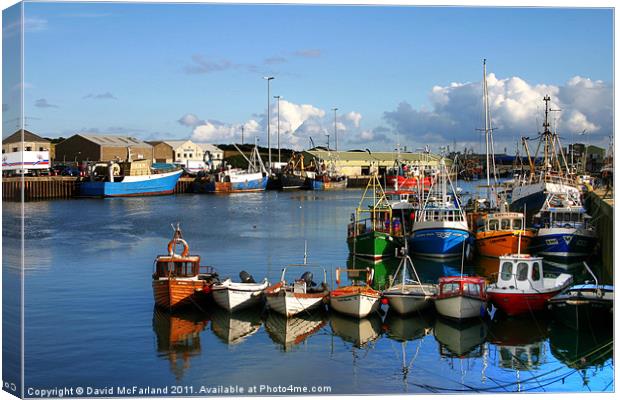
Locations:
(139, 68)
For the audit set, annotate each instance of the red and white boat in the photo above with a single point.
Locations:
(461, 297)
(521, 286)
(357, 300)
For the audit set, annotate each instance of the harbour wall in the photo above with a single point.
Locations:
(602, 211)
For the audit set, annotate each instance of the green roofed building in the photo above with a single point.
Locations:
(359, 162)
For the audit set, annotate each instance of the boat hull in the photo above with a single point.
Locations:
(407, 303)
(290, 304)
(177, 293)
(293, 182)
(374, 245)
(233, 299)
(564, 243)
(460, 307)
(329, 185)
(354, 304)
(580, 313)
(440, 242)
(147, 185)
(520, 303)
(405, 183)
(499, 243)
(251, 185)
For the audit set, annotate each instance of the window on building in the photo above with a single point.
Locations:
(184, 155)
(15, 150)
(3, 151)
(28, 148)
(41, 149)
(178, 155)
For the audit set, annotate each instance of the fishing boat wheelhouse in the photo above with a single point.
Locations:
(179, 279)
(500, 233)
(461, 297)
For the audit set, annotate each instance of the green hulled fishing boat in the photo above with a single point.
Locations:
(373, 232)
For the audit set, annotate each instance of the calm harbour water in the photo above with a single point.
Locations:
(90, 319)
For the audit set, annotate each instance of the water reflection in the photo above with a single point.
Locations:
(460, 339)
(178, 337)
(357, 331)
(580, 349)
(233, 328)
(410, 327)
(383, 269)
(430, 270)
(520, 342)
(290, 332)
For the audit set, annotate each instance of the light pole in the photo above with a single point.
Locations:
(268, 79)
(279, 160)
(335, 127)
(327, 134)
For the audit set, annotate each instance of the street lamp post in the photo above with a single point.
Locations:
(268, 79)
(279, 156)
(335, 128)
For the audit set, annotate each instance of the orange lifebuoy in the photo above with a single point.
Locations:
(172, 244)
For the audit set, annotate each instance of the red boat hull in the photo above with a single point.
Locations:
(520, 303)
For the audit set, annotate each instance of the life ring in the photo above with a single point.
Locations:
(172, 244)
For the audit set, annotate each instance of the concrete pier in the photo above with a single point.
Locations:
(600, 205)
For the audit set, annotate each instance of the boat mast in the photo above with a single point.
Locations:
(488, 135)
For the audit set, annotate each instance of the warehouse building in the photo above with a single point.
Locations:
(86, 147)
(359, 163)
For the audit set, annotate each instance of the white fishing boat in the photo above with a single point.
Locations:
(238, 295)
(291, 298)
(406, 293)
(461, 297)
(357, 300)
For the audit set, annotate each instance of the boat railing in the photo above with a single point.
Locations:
(206, 269)
(359, 227)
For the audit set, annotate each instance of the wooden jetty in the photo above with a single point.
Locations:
(38, 188)
(56, 187)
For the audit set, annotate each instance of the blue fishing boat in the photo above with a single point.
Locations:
(440, 229)
(564, 229)
(129, 178)
(235, 180)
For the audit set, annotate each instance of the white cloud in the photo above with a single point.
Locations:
(517, 109)
(190, 120)
(354, 117)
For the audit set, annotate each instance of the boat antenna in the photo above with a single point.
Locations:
(305, 252)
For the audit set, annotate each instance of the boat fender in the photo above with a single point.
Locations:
(307, 277)
(172, 244)
(246, 277)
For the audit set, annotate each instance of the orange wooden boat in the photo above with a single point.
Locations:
(179, 279)
(502, 233)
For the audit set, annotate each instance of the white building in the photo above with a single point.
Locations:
(212, 153)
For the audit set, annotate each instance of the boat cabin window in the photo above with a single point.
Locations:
(450, 288)
(493, 224)
(472, 289)
(522, 271)
(516, 224)
(178, 268)
(536, 271)
(505, 224)
(506, 271)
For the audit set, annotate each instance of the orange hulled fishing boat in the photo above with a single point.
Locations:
(502, 233)
(179, 279)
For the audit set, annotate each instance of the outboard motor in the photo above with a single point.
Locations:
(246, 277)
(307, 277)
